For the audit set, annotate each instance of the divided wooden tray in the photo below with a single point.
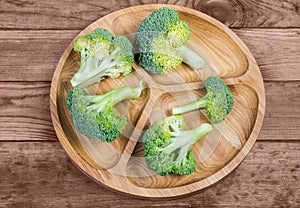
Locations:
(120, 165)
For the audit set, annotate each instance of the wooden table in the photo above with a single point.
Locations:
(36, 172)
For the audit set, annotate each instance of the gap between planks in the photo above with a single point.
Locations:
(53, 141)
(72, 29)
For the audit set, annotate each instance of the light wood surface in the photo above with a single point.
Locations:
(35, 170)
(225, 55)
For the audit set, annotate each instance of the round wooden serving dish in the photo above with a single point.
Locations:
(120, 165)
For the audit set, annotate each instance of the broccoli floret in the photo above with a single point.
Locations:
(167, 148)
(102, 55)
(218, 101)
(94, 116)
(160, 42)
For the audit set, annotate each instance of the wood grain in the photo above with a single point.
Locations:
(22, 119)
(276, 51)
(31, 55)
(33, 14)
(35, 174)
(24, 111)
(273, 50)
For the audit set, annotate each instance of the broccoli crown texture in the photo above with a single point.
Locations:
(218, 101)
(157, 38)
(102, 55)
(167, 148)
(94, 116)
(97, 43)
(214, 84)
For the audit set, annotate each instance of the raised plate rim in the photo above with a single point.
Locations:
(159, 192)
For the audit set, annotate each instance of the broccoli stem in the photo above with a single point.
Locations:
(186, 139)
(95, 78)
(108, 100)
(100, 71)
(191, 58)
(201, 103)
(98, 98)
(181, 157)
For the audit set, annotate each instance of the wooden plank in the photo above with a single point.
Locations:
(39, 174)
(24, 111)
(56, 14)
(36, 53)
(282, 117)
(276, 51)
(31, 55)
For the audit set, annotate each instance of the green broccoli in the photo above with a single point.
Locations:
(167, 148)
(218, 101)
(102, 55)
(94, 116)
(160, 42)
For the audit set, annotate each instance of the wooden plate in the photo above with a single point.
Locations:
(120, 164)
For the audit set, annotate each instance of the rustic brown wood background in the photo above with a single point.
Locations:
(36, 172)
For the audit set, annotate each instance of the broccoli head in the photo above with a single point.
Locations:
(160, 42)
(218, 101)
(102, 55)
(94, 116)
(167, 148)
